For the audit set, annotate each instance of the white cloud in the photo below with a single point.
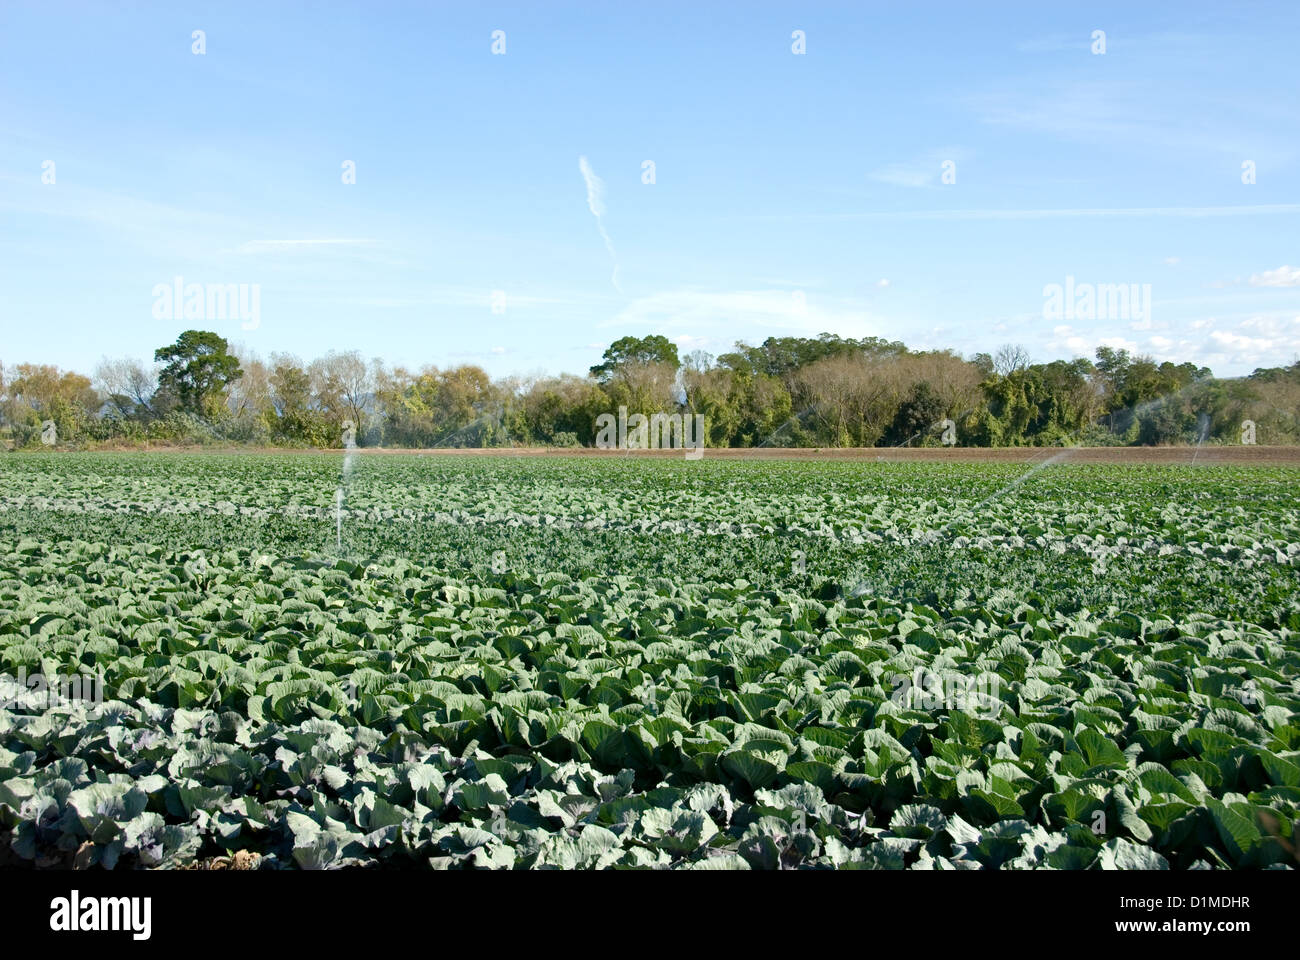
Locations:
(686, 340)
(1054, 43)
(1236, 341)
(1172, 261)
(461, 297)
(265, 246)
(1281, 277)
(1258, 341)
(1065, 337)
(918, 173)
(731, 312)
(1111, 108)
(1240, 210)
(882, 282)
(1229, 346)
(1119, 343)
(901, 175)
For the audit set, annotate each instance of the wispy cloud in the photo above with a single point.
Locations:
(1245, 343)
(197, 232)
(1257, 341)
(157, 224)
(923, 172)
(904, 175)
(1262, 209)
(1281, 277)
(1133, 112)
(731, 312)
(1056, 43)
(460, 297)
(596, 203)
(265, 246)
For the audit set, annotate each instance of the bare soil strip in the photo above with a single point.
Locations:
(1173, 456)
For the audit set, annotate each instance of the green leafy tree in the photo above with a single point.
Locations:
(635, 351)
(563, 405)
(296, 417)
(917, 417)
(42, 392)
(198, 370)
(784, 356)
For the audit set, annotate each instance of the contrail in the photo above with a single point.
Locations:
(596, 203)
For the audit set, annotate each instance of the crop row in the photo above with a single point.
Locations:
(322, 713)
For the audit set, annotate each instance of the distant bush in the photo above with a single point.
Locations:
(181, 427)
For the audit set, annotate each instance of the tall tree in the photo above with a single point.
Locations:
(1010, 358)
(636, 352)
(43, 392)
(198, 370)
(344, 385)
(917, 418)
(128, 387)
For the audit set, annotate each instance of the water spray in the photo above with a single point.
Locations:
(349, 446)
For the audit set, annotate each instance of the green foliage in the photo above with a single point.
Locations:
(627, 351)
(782, 356)
(198, 370)
(917, 418)
(412, 702)
(786, 392)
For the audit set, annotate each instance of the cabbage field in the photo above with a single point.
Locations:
(446, 662)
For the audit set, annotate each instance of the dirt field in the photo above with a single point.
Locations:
(1279, 456)
(1258, 455)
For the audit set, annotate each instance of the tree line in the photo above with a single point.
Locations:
(826, 391)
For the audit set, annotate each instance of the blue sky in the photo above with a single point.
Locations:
(793, 193)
